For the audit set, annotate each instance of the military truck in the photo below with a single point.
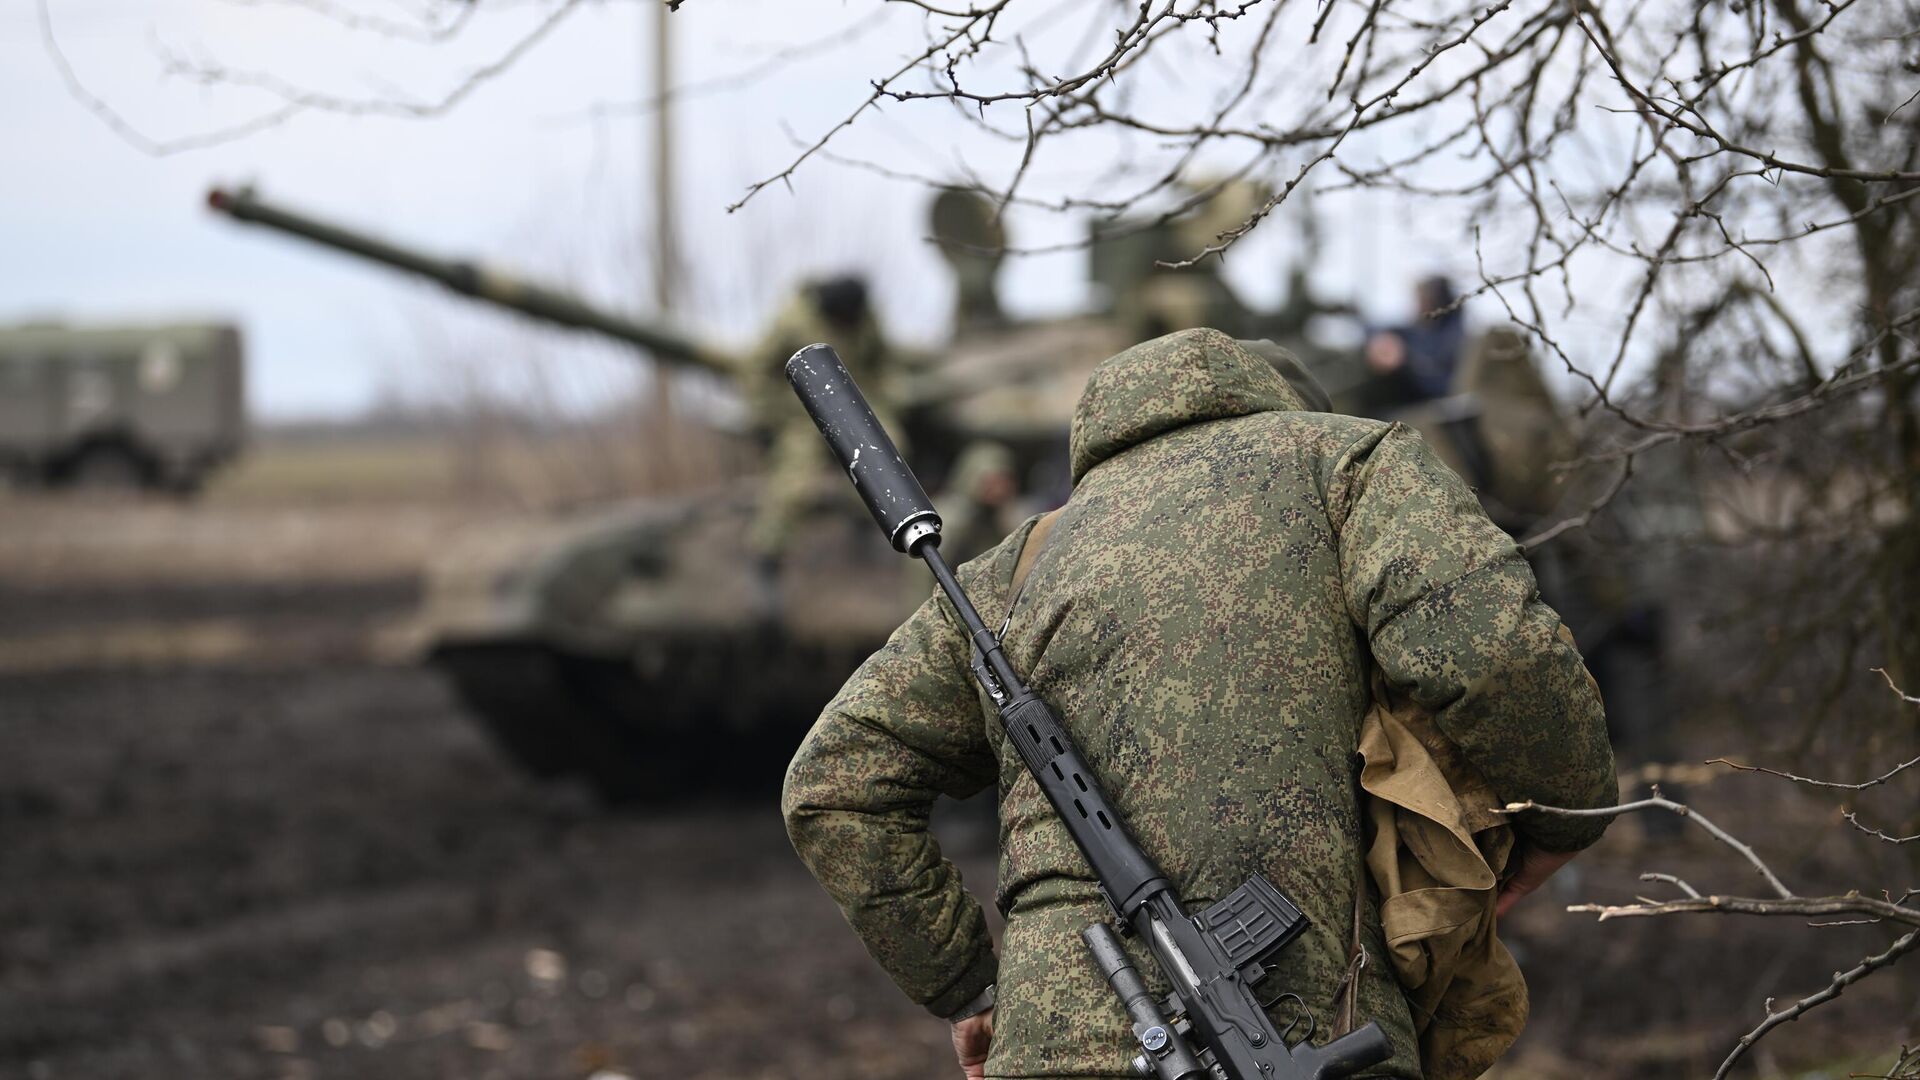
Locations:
(120, 407)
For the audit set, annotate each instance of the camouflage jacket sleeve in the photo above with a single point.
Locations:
(904, 729)
(1454, 619)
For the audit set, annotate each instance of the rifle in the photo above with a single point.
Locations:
(1212, 1025)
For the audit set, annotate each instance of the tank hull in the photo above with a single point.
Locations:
(703, 715)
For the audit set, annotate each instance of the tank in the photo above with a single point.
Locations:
(654, 647)
(644, 648)
(122, 407)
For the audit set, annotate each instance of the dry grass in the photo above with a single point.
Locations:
(330, 471)
(55, 542)
(503, 464)
(313, 509)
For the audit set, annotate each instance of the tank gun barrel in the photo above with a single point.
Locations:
(472, 279)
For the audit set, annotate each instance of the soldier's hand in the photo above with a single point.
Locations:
(1535, 868)
(971, 1039)
(1385, 353)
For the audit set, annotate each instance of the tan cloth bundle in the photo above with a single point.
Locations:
(1436, 852)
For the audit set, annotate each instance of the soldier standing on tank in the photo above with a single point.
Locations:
(836, 311)
(1205, 613)
(981, 503)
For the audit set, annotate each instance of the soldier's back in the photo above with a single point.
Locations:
(1187, 619)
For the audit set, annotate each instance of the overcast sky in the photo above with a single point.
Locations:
(93, 229)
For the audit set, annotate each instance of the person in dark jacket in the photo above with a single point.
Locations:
(1416, 362)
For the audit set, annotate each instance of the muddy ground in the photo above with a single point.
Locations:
(281, 852)
(325, 871)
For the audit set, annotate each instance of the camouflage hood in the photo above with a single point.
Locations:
(1188, 377)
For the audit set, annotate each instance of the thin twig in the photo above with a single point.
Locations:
(1853, 819)
(1838, 785)
(1659, 803)
(1841, 980)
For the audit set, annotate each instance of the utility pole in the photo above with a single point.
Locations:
(665, 466)
(666, 251)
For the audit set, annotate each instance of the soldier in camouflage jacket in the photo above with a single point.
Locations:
(1204, 617)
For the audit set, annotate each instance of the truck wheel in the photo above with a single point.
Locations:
(107, 468)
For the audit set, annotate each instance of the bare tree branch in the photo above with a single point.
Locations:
(303, 98)
(1853, 819)
(736, 80)
(1657, 802)
(1841, 980)
(294, 99)
(1785, 904)
(424, 29)
(133, 136)
(1586, 516)
(1861, 786)
(1797, 907)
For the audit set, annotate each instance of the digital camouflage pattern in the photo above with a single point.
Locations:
(1228, 573)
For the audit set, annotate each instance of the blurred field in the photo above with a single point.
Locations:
(324, 871)
(313, 507)
(381, 469)
(502, 461)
